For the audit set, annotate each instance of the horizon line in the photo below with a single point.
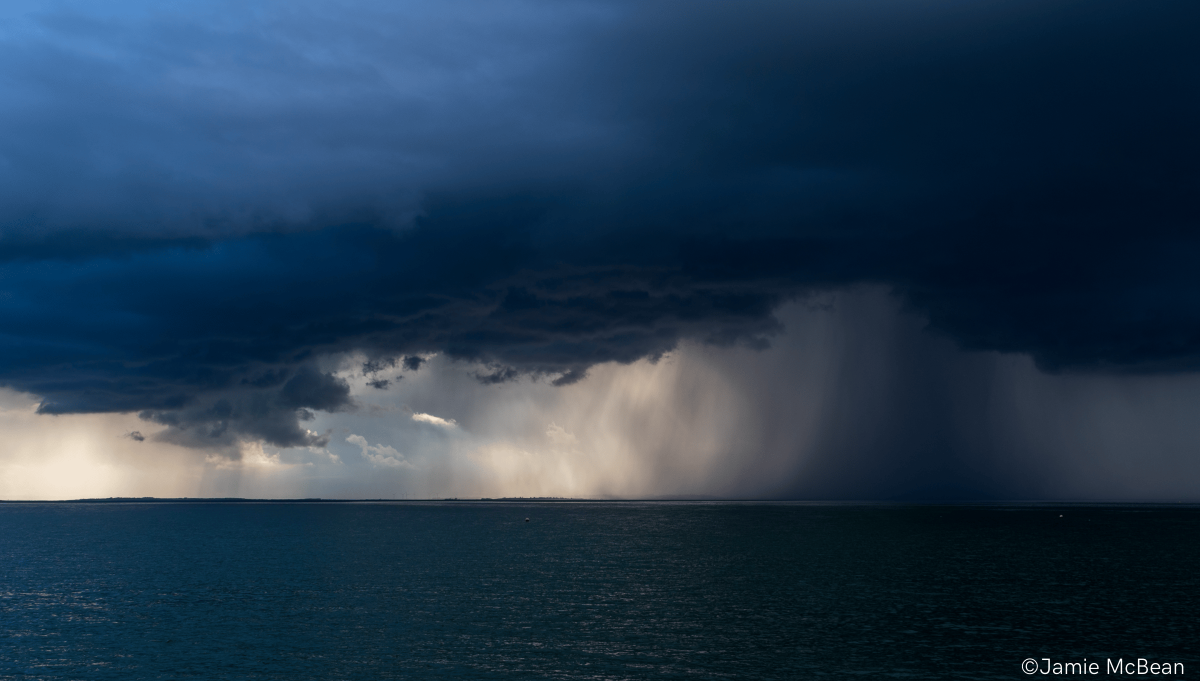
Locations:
(659, 499)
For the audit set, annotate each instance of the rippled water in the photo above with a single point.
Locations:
(588, 590)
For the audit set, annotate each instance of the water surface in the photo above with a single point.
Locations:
(588, 590)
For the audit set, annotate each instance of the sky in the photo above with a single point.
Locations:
(869, 249)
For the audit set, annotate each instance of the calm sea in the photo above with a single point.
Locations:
(590, 590)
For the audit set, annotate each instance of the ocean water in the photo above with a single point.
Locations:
(603, 590)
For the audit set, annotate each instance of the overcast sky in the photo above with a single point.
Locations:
(871, 249)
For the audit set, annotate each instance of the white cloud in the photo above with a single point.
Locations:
(435, 420)
(379, 455)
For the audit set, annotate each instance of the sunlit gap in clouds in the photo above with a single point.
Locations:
(85, 455)
(855, 400)
(699, 420)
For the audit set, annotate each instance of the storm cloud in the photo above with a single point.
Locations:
(203, 206)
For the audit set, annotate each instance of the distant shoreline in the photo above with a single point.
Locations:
(319, 500)
(673, 499)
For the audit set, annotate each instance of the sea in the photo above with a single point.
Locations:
(595, 590)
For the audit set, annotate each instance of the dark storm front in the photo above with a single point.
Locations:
(589, 590)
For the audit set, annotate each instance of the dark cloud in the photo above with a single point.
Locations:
(312, 389)
(224, 423)
(497, 374)
(193, 219)
(570, 376)
(223, 418)
(374, 366)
